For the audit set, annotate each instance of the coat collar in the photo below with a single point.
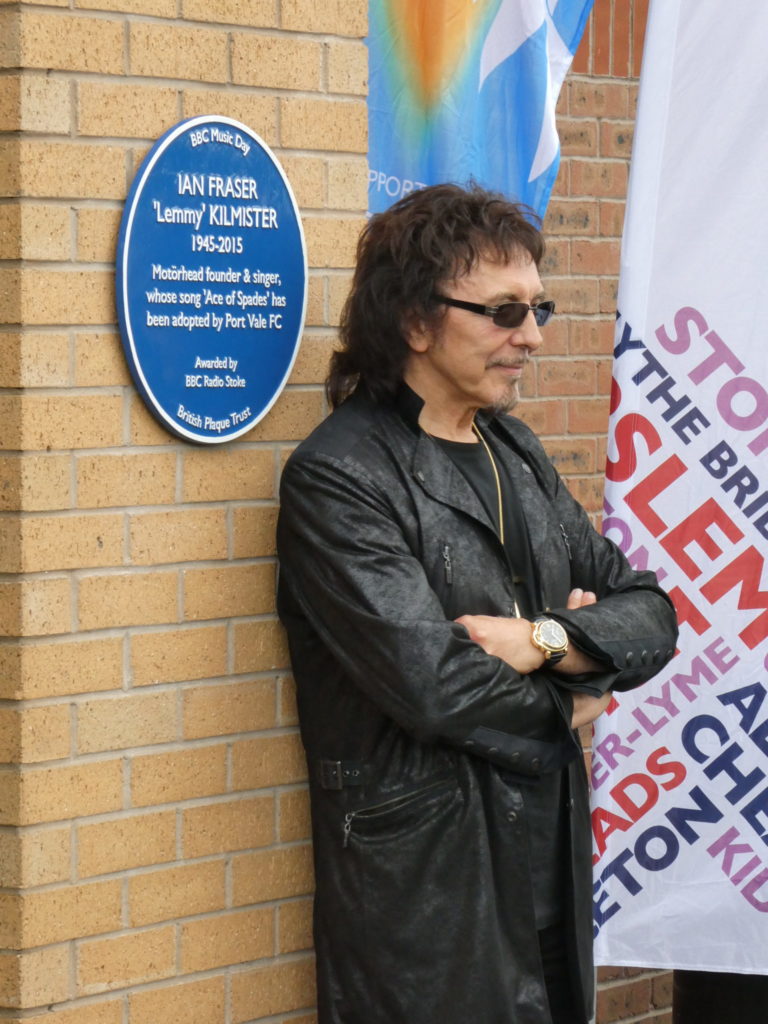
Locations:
(443, 481)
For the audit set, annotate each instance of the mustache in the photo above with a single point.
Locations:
(510, 363)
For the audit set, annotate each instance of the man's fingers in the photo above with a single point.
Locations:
(579, 598)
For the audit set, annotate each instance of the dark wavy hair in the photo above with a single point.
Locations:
(404, 255)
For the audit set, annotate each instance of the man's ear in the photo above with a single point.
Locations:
(418, 335)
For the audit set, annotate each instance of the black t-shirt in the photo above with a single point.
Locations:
(543, 796)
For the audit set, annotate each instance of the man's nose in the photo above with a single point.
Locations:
(528, 333)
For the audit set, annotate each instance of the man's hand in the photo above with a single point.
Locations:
(508, 639)
(586, 709)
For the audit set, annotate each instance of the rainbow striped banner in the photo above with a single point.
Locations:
(464, 89)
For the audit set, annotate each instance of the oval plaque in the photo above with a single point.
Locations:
(211, 279)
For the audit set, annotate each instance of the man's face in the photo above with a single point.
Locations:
(467, 362)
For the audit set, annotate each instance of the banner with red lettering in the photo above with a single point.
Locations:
(680, 766)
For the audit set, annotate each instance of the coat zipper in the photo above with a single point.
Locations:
(566, 542)
(448, 564)
(404, 798)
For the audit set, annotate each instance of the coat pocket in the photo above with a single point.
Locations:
(400, 814)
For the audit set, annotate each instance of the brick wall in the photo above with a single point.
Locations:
(154, 855)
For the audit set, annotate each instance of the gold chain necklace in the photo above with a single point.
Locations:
(494, 467)
(484, 443)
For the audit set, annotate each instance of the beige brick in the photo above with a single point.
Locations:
(294, 820)
(234, 474)
(253, 13)
(225, 826)
(276, 62)
(192, 53)
(133, 720)
(32, 359)
(34, 482)
(340, 126)
(69, 421)
(260, 646)
(155, 8)
(99, 360)
(348, 183)
(10, 308)
(288, 713)
(233, 938)
(10, 85)
(135, 841)
(32, 670)
(177, 655)
(134, 959)
(192, 1002)
(127, 111)
(110, 1012)
(259, 113)
(37, 231)
(229, 708)
(268, 761)
(231, 591)
(69, 791)
(179, 775)
(64, 542)
(33, 978)
(294, 924)
(277, 988)
(45, 104)
(191, 535)
(145, 429)
(176, 892)
(35, 607)
(338, 289)
(307, 178)
(71, 42)
(127, 600)
(10, 860)
(67, 170)
(335, 17)
(30, 734)
(67, 296)
(70, 912)
(312, 362)
(348, 68)
(44, 856)
(331, 241)
(317, 286)
(272, 875)
(253, 531)
(97, 231)
(291, 418)
(125, 479)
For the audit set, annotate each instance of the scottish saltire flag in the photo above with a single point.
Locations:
(680, 765)
(464, 89)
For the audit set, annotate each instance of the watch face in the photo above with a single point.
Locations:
(553, 634)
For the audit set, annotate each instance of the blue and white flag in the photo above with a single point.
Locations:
(464, 89)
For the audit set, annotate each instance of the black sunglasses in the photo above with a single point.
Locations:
(508, 314)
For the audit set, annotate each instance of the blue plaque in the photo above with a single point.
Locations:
(211, 279)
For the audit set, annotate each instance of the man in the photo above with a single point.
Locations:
(423, 531)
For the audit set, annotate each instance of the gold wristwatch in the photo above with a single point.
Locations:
(550, 638)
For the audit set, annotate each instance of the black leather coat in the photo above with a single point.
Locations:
(417, 741)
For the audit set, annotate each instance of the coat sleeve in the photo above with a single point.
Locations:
(346, 563)
(632, 629)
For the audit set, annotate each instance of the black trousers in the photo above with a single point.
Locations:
(710, 997)
(557, 976)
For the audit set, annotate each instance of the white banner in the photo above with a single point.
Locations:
(680, 766)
